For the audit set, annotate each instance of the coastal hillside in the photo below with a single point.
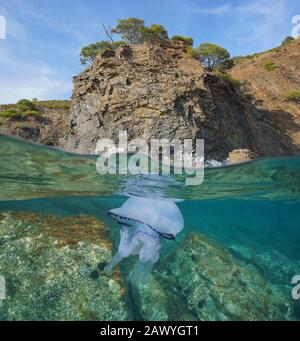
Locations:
(44, 122)
(274, 82)
(162, 91)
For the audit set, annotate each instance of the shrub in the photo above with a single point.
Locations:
(192, 52)
(25, 104)
(23, 108)
(88, 53)
(187, 40)
(8, 113)
(293, 95)
(287, 40)
(55, 104)
(228, 78)
(226, 65)
(154, 33)
(32, 112)
(271, 66)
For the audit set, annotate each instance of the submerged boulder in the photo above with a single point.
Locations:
(275, 267)
(218, 287)
(156, 301)
(52, 268)
(213, 286)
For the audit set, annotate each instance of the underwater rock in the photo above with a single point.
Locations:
(154, 301)
(218, 287)
(275, 266)
(47, 263)
(150, 300)
(242, 252)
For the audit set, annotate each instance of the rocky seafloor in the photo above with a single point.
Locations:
(53, 271)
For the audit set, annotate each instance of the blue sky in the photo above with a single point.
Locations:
(40, 54)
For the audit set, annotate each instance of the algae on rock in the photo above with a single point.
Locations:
(214, 286)
(49, 265)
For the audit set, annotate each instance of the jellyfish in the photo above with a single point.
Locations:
(144, 222)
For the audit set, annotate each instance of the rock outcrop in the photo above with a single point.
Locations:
(240, 155)
(161, 92)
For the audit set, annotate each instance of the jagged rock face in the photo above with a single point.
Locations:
(147, 91)
(161, 92)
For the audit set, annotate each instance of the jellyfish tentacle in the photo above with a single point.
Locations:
(141, 271)
(109, 268)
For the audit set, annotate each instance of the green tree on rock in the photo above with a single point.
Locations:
(130, 30)
(211, 55)
(288, 40)
(154, 33)
(88, 53)
(187, 40)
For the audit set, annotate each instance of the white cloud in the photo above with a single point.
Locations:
(29, 80)
(259, 22)
(257, 7)
(219, 10)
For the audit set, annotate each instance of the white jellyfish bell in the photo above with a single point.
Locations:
(162, 216)
(143, 222)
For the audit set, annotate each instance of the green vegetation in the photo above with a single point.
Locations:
(192, 52)
(88, 53)
(270, 66)
(226, 77)
(288, 40)
(293, 95)
(54, 104)
(130, 30)
(23, 108)
(211, 55)
(27, 108)
(187, 40)
(133, 31)
(154, 33)
(241, 59)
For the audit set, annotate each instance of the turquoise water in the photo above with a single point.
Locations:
(247, 209)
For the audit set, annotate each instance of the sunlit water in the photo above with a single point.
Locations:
(255, 204)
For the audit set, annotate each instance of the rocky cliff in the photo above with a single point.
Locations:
(162, 92)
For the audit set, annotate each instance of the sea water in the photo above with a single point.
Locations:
(250, 211)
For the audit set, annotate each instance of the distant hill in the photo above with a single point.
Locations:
(274, 83)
